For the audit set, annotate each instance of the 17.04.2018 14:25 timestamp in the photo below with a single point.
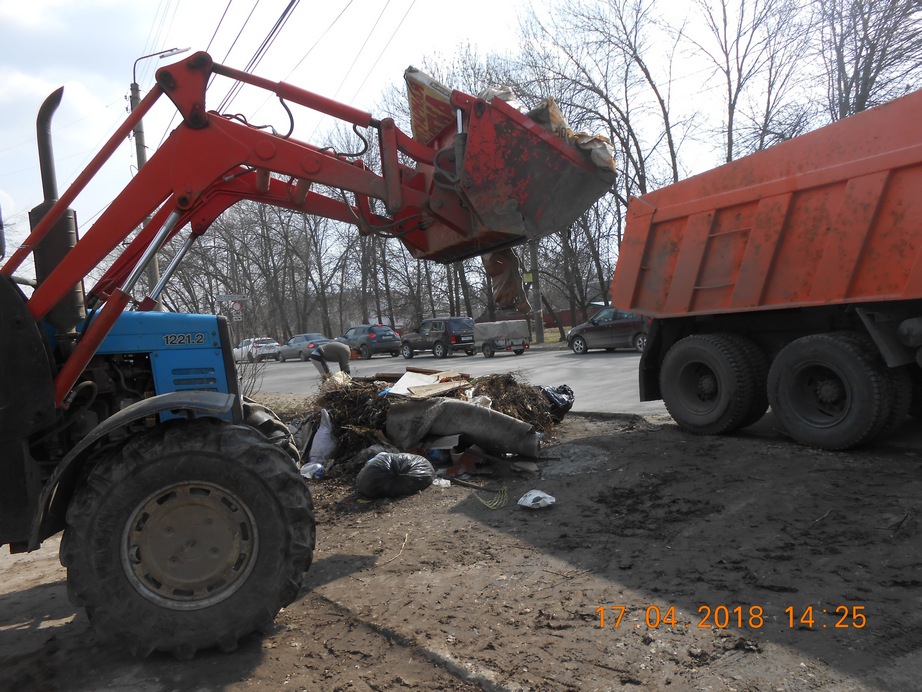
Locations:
(723, 617)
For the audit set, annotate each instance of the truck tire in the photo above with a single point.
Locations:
(188, 536)
(827, 392)
(707, 384)
(579, 346)
(872, 355)
(901, 399)
(758, 365)
(407, 351)
(488, 351)
(439, 350)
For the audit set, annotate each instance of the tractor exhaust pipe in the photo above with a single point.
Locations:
(63, 235)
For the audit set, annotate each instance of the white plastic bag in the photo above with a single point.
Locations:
(323, 446)
(535, 499)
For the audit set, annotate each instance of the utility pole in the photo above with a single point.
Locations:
(153, 269)
(536, 292)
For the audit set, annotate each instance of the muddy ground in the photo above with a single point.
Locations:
(673, 533)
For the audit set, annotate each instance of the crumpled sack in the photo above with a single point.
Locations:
(323, 445)
(561, 400)
(394, 475)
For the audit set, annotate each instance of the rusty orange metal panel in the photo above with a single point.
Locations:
(829, 217)
(760, 251)
(848, 236)
(694, 241)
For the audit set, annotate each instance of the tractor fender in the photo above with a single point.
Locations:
(55, 496)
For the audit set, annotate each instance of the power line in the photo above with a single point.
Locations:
(362, 49)
(220, 22)
(169, 127)
(260, 52)
(325, 32)
(309, 51)
(383, 50)
(153, 36)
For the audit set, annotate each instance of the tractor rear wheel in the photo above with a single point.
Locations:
(188, 536)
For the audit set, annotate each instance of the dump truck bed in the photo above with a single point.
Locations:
(831, 217)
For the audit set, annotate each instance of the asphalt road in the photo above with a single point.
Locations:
(601, 381)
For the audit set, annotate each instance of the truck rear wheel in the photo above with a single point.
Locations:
(439, 350)
(901, 392)
(407, 351)
(707, 384)
(827, 392)
(758, 365)
(188, 536)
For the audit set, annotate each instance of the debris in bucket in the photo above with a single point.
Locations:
(535, 499)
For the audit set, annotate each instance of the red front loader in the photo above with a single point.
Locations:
(186, 523)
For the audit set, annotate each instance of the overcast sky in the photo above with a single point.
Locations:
(347, 50)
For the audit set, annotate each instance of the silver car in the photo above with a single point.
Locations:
(300, 346)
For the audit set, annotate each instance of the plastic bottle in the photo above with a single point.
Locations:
(313, 470)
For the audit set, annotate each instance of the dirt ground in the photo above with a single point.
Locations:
(668, 533)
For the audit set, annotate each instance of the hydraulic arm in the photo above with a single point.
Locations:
(495, 180)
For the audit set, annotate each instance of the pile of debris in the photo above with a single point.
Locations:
(450, 419)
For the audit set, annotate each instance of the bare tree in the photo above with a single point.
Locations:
(871, 50)
(739, 48)
(778, 107)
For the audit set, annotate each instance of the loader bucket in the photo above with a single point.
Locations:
(515, 180)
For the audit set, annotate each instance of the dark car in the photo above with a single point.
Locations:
(300, 346)
(369, 339)
(441, 335)
(609, 328)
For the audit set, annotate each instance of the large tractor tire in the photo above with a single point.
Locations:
(827, 391)
(189, 536)
(708, 385)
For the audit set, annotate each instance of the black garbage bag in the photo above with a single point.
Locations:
(561, 400)
(394, 475)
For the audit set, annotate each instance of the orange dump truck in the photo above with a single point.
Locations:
(790, 278)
